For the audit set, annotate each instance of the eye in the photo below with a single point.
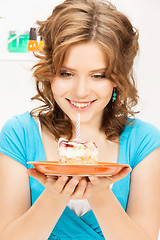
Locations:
(65, 74)
(98, 76)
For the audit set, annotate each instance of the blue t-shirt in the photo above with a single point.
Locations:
(20, 139)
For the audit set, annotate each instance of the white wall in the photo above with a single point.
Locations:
(145, 16)
(16, 83)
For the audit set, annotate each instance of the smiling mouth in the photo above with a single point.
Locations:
(81, 104)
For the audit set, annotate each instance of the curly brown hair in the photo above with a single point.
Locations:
(73, 22)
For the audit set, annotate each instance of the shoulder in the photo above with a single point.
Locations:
(16, 136)
(137, 131)
(18, 120)
(142, 138)
(19, 127)
(139, 127)
(18, 124)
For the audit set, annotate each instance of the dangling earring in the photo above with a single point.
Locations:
(114, 95)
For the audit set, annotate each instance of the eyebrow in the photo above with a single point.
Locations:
(92, 71)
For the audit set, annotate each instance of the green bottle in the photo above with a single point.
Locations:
(20, 43)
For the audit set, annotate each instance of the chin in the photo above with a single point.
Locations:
(83, 120)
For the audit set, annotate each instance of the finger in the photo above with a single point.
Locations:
(88, 191)
(80, 189)
(32, 172)
(51, 179)
(54, 177)
(94, 180)
(70, 186)
(60, 183)
(122, 174)
(110, 179)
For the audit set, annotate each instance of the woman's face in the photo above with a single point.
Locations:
(81, 85)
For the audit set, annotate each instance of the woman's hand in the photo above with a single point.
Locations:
(63, 187)
(100, 184)
(76, 187)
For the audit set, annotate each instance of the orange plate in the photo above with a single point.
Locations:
(100, 169)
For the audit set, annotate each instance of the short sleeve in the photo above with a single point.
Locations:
(145, 140)
(12, 140)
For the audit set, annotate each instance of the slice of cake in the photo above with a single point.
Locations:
(72, 152)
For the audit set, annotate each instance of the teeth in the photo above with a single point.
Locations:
(80, 105)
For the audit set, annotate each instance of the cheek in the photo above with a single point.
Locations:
(58, 87)
(105, 89)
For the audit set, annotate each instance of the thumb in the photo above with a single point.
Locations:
(32, 172)
(122, 174)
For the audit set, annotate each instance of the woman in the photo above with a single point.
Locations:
(86, 65)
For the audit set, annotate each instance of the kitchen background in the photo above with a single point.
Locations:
(16, 82)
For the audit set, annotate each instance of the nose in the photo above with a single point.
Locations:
(81, 87)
